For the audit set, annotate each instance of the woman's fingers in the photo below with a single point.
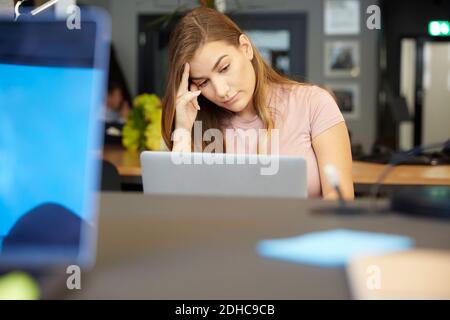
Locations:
(184, 80)
(194, 88)
(188, 96)
(184, 95)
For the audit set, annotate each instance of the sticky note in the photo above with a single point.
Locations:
(331, 248)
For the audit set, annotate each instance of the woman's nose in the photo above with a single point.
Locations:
(222, 89)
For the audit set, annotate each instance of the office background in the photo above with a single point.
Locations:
(125, 37)
(384, 60)
(204, 247)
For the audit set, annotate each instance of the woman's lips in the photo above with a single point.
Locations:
(233, 99)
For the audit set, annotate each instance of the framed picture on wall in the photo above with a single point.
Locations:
(274, 46)
(347, 98)
(341, 17)
(342, 58)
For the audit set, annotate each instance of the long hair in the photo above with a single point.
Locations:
(196, 28)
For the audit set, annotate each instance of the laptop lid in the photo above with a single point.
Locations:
(52, 87)
(219, 174)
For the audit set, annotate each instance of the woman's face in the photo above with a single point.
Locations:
(224, 73)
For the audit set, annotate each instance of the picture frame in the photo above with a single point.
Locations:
(347, 97)
(342, 59)
(341, 17)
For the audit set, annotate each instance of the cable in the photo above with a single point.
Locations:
(395, 160)
(43, 7)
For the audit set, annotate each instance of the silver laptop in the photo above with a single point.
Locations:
(175, 173)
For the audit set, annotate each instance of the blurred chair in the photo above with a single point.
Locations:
(110, 177)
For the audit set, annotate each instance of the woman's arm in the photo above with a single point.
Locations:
(333, 147)
(181, 140)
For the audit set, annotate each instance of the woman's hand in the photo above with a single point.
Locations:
(186, 108)
(186, 104)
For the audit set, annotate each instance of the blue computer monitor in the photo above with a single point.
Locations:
(52, 87)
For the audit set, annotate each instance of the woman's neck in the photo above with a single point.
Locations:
(248, 113)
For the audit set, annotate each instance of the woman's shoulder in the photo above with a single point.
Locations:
(299, 90)
(300, 96)
(308, 103)
(310, 92)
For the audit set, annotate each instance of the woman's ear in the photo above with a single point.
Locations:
(246, 46)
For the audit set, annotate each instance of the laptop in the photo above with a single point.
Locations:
(219, 174)
(52, 88)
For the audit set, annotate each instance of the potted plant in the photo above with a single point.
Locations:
(142, 130)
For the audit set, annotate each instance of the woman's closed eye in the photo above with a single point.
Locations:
(204, 83)
(224, 68)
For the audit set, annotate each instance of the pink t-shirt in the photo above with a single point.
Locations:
(301, 113)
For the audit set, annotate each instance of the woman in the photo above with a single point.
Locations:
(217, 76)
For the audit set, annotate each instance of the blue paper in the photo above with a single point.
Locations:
(333, 248)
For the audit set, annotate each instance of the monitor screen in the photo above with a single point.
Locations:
(52, 86)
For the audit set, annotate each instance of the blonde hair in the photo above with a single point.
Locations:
(196, 28)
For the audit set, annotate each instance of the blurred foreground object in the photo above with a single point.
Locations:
(7, 8)
(18, 286)
(413, 274)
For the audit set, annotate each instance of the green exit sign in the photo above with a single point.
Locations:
(439, 28)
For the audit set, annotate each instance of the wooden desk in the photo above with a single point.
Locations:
(128, 165)
(368, 173)
(173, 247)
(127, 162)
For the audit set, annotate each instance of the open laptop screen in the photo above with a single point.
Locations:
(52, 86)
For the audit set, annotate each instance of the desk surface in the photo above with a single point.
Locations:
(156, 247)
(128, 165)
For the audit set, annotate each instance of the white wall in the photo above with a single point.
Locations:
(436, 105)
(408, 89)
